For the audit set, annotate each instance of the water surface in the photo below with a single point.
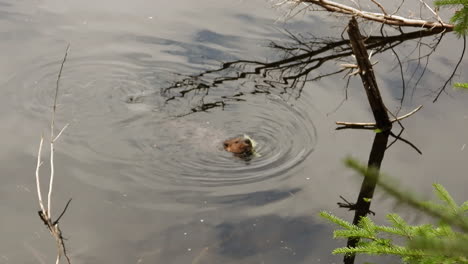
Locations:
(149, 179)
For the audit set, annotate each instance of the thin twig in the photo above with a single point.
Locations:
(378, 17)
(371, 125)
(45, 214)
(454, 70)
(38, 185)
(380, 6)
(52, 170)
(63, 212)
(408, 114)
(399, 133)
(403, 83)
(61, 131)
(407, 142)
(432, 11)
(57, 84)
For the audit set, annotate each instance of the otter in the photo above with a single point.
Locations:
(240, 146)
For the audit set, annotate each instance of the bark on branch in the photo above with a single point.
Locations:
(378, 17)
(368, 78)
(382, 121)
(373, 125)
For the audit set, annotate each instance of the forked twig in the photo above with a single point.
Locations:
(398, 137)
(380, 6)
(63, 212)
(432, 11)
(39, 163)
(46, 213)
(374, 125)
(52, 139)
(384, 18)
(453, 72)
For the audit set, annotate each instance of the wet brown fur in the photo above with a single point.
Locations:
(238, 146)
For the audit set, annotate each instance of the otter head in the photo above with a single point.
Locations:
(239, 146)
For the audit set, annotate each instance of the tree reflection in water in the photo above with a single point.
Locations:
(300, 64)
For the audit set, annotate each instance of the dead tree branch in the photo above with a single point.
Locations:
(371, 125)
(382, 121)
(46, 213)
(453, 72)
(368, 78)
(380, 6)
(287, 75)
(398, 137)
(383, 18)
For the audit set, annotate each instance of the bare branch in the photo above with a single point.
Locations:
(52, 172)
(453, 72)
(371, 125)
(380, 6)
(63, 212)
(408, 114)
(38, 185)
(378, 17)
(45, 214)
(432, 11)
(299, 65)
(52, 123)
(61, 131)
(398, 137)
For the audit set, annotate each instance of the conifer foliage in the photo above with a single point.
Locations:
(460, 18)
(444, 242)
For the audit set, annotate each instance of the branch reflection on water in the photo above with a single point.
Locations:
(300, 64)
(302, 59)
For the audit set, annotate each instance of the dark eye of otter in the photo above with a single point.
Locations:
(225, 145)
(247, 141)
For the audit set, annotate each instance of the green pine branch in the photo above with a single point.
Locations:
(373, 249)
(450, 2)
(461, 85)
(460, 18)
(427, 243)
(408, 197)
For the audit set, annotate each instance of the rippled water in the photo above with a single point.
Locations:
(120, 116)
(126, 137)
(149, 178)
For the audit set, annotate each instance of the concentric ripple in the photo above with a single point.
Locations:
(90, 87)
(188, 151)
(121, 126)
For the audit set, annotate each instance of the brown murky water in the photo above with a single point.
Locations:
(151, 188)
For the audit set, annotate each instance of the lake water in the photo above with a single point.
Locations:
(149, 179)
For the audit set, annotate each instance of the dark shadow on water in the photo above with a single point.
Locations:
(281, 239)
(195, 53)
(257, 198)
(216, 38)
(265, 239)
